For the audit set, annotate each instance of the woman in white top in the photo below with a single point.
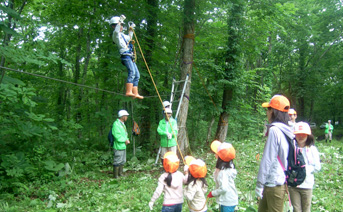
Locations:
(301, 196)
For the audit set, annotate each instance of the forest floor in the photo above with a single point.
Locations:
(90, 186)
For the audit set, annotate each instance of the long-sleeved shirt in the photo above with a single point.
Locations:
(173, 194)
(120, 135)
(271, 172)
(122, 40)
(225, 192)
(312, 160)
(164, 128)
(196, 194)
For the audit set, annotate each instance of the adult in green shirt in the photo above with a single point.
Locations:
(168, 138)
(328, 131)
(121, 139)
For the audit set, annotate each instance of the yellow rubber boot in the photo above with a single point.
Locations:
(135, 92)
(129, 90)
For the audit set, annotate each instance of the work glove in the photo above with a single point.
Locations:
(122, 18)
(151, 205)
(132, 25)
(210, 195)
(259, 190)
(169, 136)
(185, 168)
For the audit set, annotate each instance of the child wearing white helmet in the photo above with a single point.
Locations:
(170, 183)
(301, 196)
(224, 177)
(196, 185)
(125, 46)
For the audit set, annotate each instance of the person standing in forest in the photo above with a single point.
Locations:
(301, 196)
(292, 115)
(270, 185)
(125, 46)
(168, 141)
(328, 131)
(121, 139)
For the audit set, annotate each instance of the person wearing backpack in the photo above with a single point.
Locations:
(270, 186)
(301, 196)
(127, 55)
(121, 139)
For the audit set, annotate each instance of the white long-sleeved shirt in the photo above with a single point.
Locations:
(196, 194)
(122, 40)
(225, 192)
(271, 173)
(312, 160)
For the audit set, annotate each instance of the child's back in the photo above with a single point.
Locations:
(195, 193)
(173, 194)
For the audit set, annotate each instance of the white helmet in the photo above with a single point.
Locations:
(166, 104)
(114, 20)
(122, 113)
(168, 110)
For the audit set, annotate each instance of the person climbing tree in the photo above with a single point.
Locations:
(127, 55)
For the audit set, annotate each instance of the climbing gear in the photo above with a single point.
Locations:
(135, 93)
(122, 113)
(175, 93)
(135, 129)
(115, 171)
(129, 90)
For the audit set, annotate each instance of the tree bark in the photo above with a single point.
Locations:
(186, 69)
(231, 66)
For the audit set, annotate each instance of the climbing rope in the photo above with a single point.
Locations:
(68, 82)
(159, 96)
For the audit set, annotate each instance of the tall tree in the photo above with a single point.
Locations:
(186, 69)
(231, 65)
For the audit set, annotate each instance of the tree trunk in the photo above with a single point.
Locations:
(7, 37)
(186, 69)
(231, 66)
(146, 113)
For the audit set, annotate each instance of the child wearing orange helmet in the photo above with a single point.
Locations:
(170, 183)
(224, 176)
(196, 185)
(301, 196)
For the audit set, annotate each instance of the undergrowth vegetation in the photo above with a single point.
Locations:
(84, 182)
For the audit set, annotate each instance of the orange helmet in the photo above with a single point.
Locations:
(198, 169)
(170, 162)
(214, 146)
(226, 152)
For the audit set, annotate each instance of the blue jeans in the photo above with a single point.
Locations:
(172, 208)
(133, 75)
(224, 208)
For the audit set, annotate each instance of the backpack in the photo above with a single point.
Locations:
(296, 169)
(110, 137)
(135, 129)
